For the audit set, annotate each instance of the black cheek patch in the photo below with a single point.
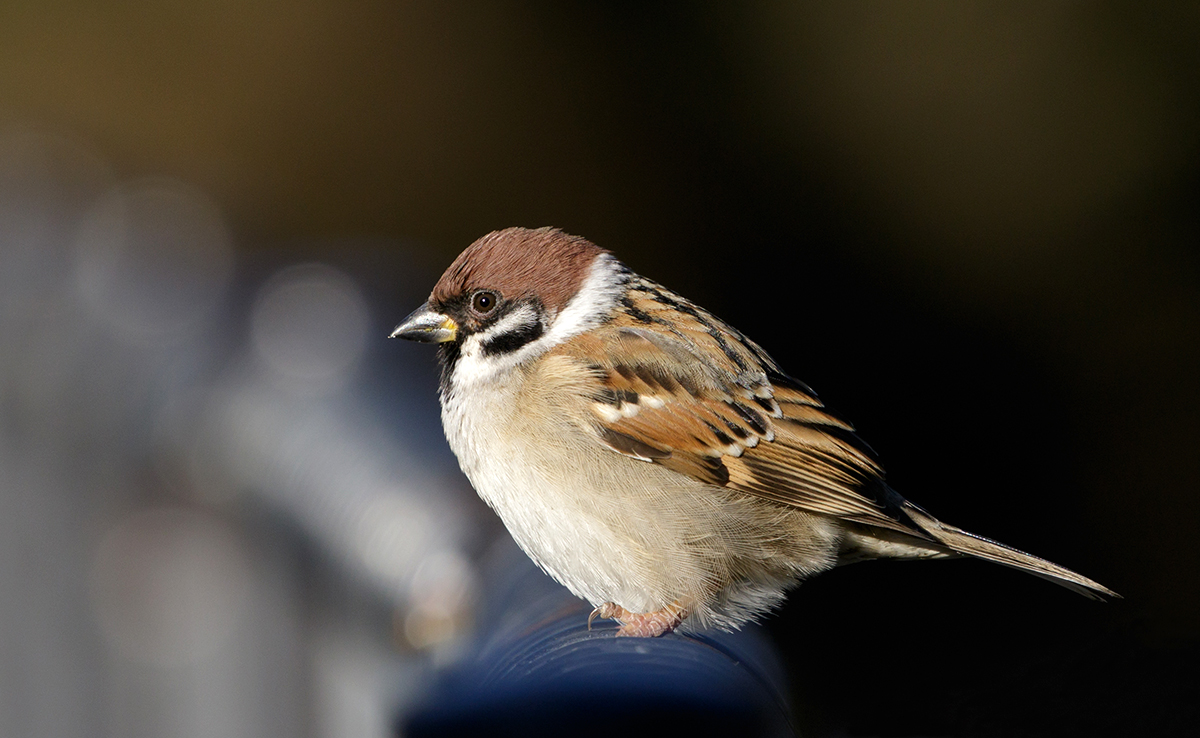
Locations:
(506, 343)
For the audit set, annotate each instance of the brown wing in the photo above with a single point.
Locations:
(672, 385)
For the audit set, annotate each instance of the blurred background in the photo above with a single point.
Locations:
(226, 507)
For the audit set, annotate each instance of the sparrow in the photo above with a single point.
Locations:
(646, 454)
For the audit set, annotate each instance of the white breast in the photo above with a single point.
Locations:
(558, 512)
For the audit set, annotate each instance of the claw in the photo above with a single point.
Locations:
(606, 611)
(641, 624)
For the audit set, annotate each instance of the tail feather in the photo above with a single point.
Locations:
(960, 541)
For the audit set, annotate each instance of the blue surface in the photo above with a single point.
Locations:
(537, 670)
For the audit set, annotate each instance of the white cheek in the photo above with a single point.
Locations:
(597, 295)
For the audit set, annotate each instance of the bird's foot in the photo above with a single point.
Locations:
(641, 624)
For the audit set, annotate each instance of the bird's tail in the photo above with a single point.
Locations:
(960, 541)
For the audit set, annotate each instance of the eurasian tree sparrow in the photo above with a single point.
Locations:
(646, 454)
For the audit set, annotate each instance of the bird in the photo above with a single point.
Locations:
(648, 455)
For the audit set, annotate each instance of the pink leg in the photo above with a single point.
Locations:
(641, 624)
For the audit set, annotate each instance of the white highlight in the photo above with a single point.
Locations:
(606, 412)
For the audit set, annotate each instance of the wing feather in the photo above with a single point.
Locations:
(671, 384)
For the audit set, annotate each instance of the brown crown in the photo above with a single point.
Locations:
(521, 262)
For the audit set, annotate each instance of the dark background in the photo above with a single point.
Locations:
(972, 227)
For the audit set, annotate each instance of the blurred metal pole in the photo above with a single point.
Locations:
(536, 670)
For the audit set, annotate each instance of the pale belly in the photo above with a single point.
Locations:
(615, 529)
(598, 534)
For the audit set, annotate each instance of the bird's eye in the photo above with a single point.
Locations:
(484, 302)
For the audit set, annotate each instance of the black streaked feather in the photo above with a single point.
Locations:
(756, 422)
(722, 437)
(631, 446)
(736, 429)
(766, 403)
(653, 375)
(606, 396)
(635, 312)
(625, 371)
